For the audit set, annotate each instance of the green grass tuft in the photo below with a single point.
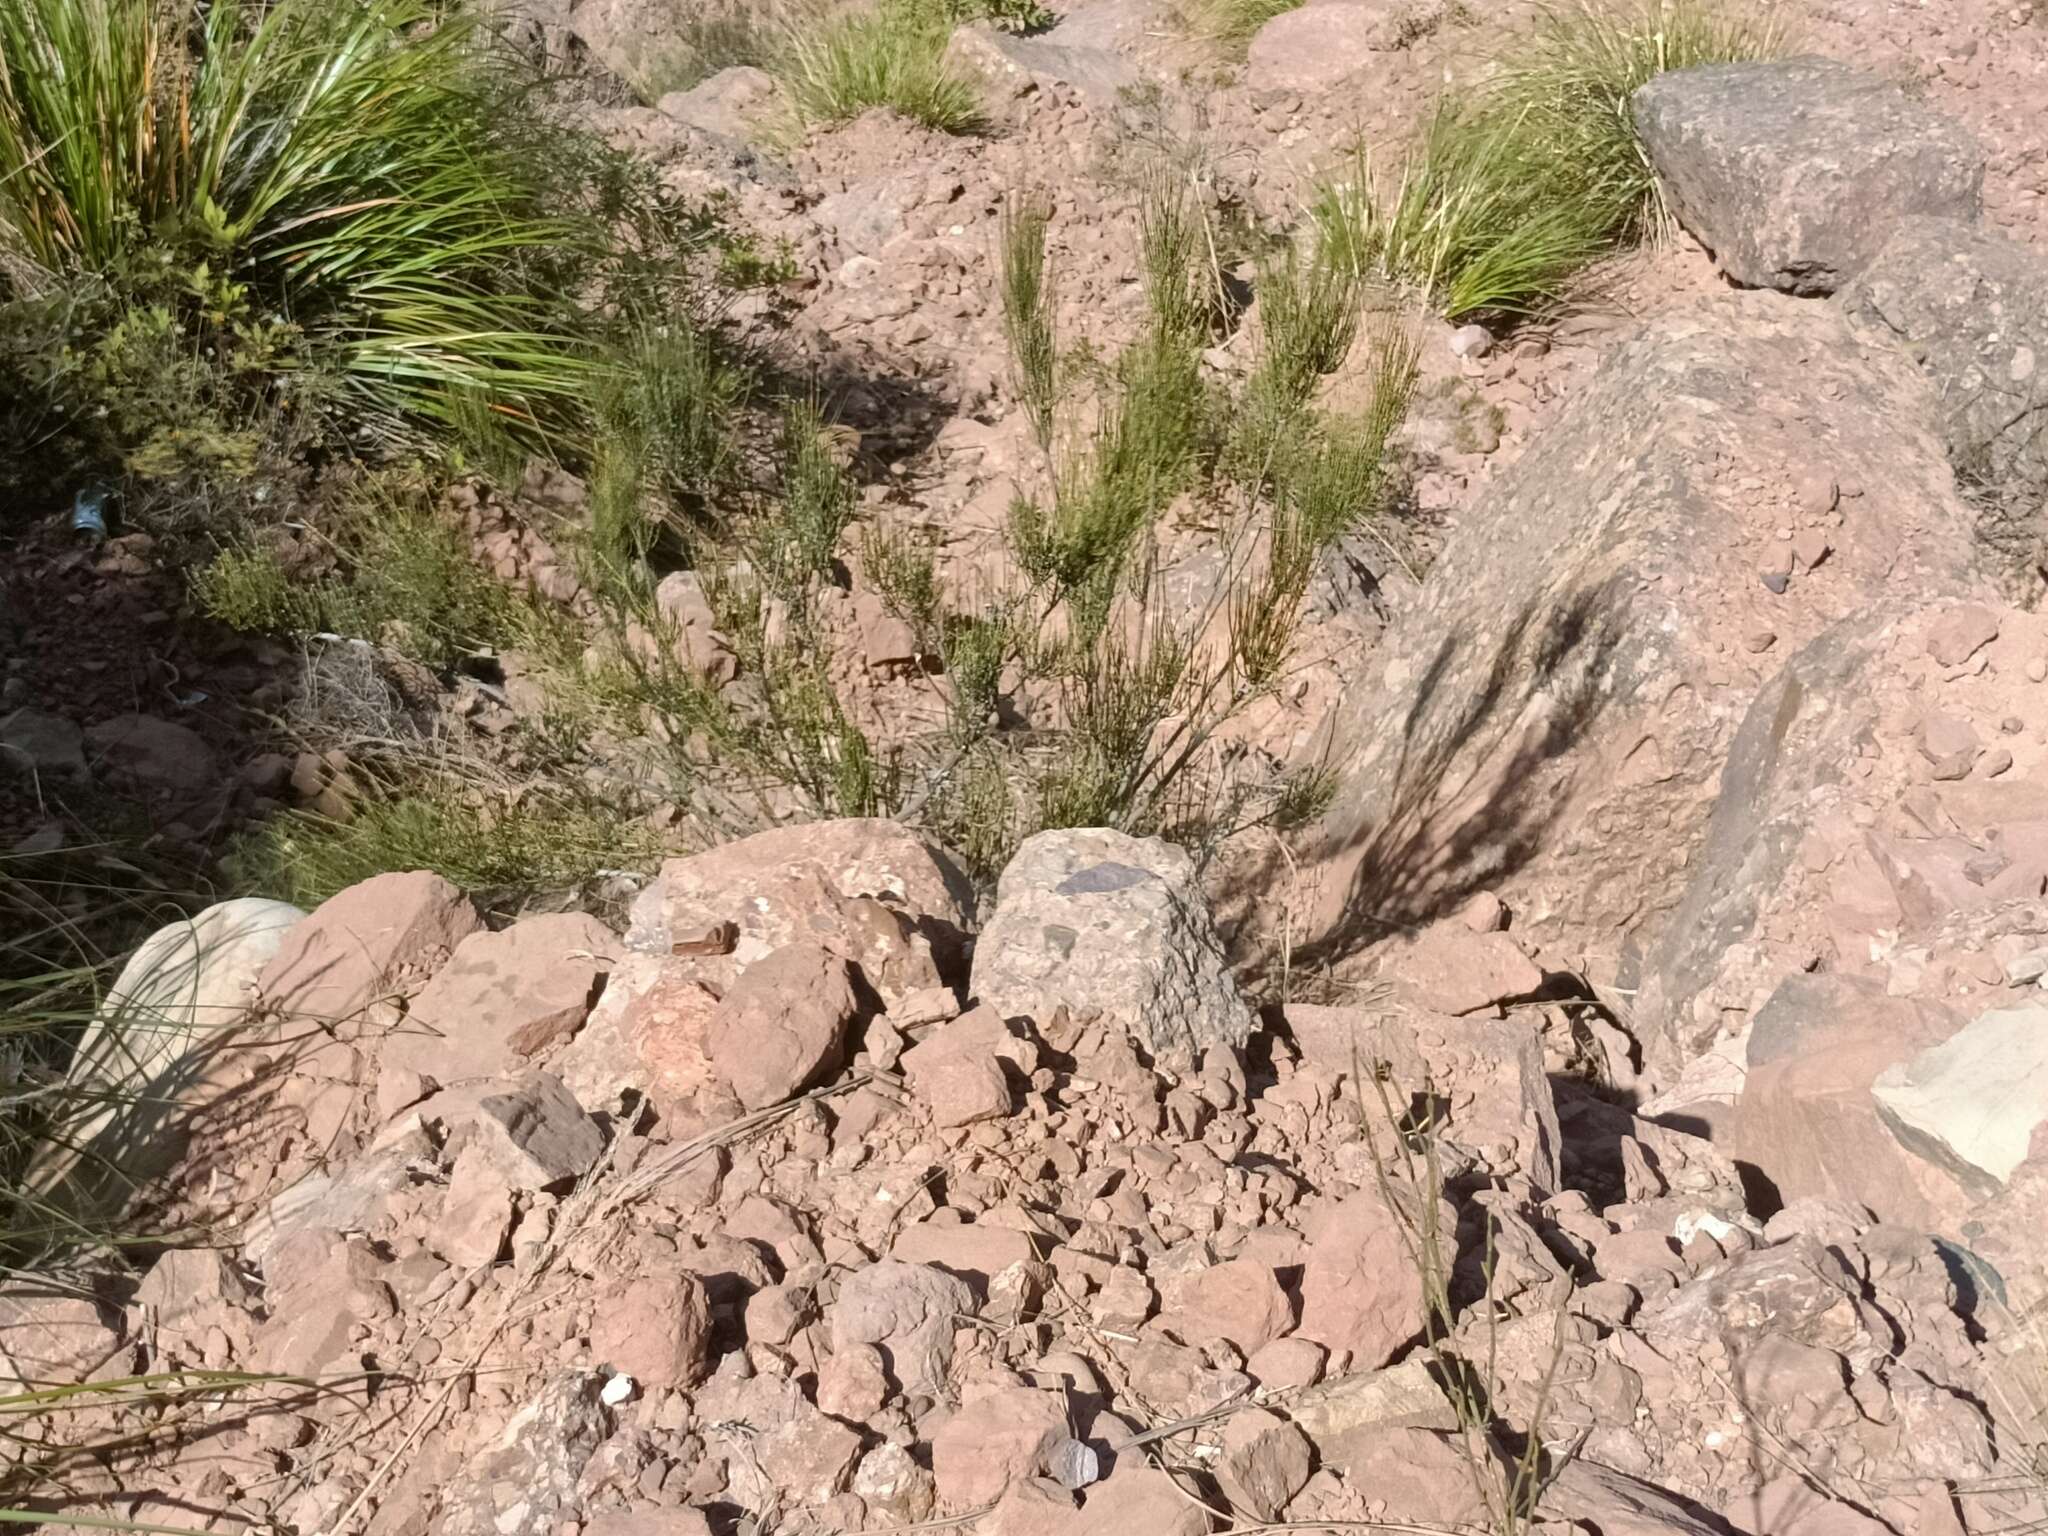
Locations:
(1518, 185)
(1235, 22)
(408, 579)
(350, 163)
(479, 843)
(1569, 87)
(892, 56)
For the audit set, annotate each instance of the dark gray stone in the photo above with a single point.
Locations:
(1794, 173)
(1971, 308)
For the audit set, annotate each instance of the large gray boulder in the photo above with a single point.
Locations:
(1550, 719)
(1794, 173)
(1971, 308)
(1100, 921)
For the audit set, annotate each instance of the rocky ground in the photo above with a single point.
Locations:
(1638, 1076)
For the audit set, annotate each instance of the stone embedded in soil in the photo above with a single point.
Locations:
(648, 1522)
(477, 1212)
(852, 1383)
(1612, 1501)
(1972, 1103)
(1033, 1506)
(50, 1335)
(1101, 922)
(530, 1129)
(893, 1486)
(153, 753)
(382, 937)
(321, 1289)
(1239, 1302)
(1961, 632)
(162, 1049)
(975, 1251)
(1316, 47)
(1265, 1462)
(783, 1026)
(1452, 969)
(959, 1069)
(1358, 1292)
(908, 1311)
(523, 1481)
(1795, 172)
(503, 998)
(1014, 69)
(654, 1328)
(810, 1458)
(792, 883)
(991, 1441)
(1285, 1364)
(1970, 306)
(1365, 1404)
(1137, 1497)
(1943, 736)
(727, 103)
(1806, 1112)
(1504, 1099)
(35, 743)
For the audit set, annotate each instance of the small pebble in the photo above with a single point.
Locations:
(1995, 762)
(1956, 766)
(2037, 671)
(1759, 640)
(1473, 341)
(1777, 581)
(1816, 494)
(1810, 547)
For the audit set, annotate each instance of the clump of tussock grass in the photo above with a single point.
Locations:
(351, 164)
(1570, 83)
(481, 841)
(892, 56)
(1148, 431)
(1234, 22)
(1520, 183)
(406, 577)
(1141, 698)
(667, 444)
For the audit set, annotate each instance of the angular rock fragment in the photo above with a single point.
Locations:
(1795, 172)
(1100, 922)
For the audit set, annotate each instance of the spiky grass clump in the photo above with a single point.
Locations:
(892, 56)
(1482, 219)
(667, 442)
(1569, 87)
(480, 842)
(1519, 185)
(407, 578)
(1235, 22)
(359, 167)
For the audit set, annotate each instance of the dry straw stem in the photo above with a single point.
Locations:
(1511, 1493)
